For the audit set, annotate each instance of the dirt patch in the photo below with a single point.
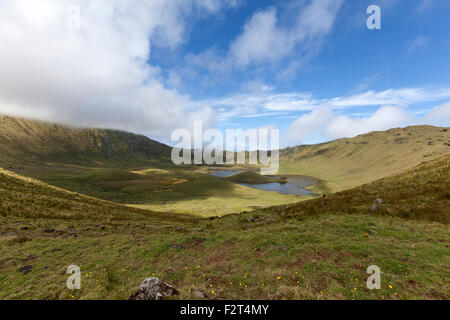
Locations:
(220, 257)
(193, 243)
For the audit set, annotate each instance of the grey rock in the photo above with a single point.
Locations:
(25, 270)
(100, 226)
(198, 294)
(154, 289)
(378, 202)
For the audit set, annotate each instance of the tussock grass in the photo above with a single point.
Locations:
(318, 249)
(420, 193)
(35, 199)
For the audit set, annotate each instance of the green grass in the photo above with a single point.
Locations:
(282, 248)
(112, 166)
(34, 199)
(238, 199)
(37, 140)
(322, 257)
(317, 249)
(347, 163)
(158, 186)
(419, 193)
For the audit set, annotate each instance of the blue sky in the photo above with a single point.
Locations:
(308, 67)
(411, 50)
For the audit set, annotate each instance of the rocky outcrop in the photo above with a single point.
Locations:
(154, 289)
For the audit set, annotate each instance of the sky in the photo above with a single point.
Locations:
(310, 68)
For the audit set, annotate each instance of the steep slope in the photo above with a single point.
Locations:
(26, 197)
(317, 249)
(35, 140)
(347, 163)
(421, 193)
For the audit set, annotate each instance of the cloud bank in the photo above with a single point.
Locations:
(333, 125)
(92, 69)
(98, 70)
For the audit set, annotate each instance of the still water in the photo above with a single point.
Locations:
(296, 184)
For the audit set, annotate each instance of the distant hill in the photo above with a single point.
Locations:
(421, 193)
(346, 163)
(22, 139)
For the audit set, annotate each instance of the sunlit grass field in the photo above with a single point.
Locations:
(347, 163)
(322, 257)
(317, 249)
(123, 219)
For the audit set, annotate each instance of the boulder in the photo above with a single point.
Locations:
(198, 294)
(376, 204)
(154, 289)
(100, 226)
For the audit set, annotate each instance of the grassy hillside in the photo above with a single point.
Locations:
(347, 163)
(22, 141)
(318, 249)
(421, 193)
(31, 198)
(129, 169)
(121, 167)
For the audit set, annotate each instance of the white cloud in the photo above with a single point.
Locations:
(266, 100)
(424, 5)
(439, 116)
(96, 75)
(383, 119)
(399, 97)
(265, 39)
(418, 43)
(307, 124)
(331, 125)
(261, 40)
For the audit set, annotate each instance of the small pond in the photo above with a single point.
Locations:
(296, 184)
